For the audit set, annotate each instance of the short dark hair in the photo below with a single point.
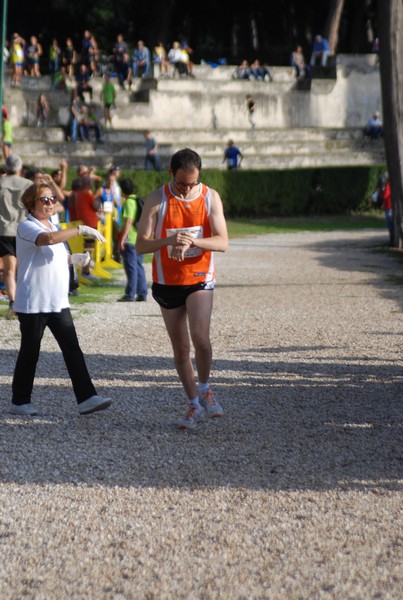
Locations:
(77, 184)
(32, 172)
(186, 159)
(127, 186)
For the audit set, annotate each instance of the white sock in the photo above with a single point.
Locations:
(194, 402)
(202, 388)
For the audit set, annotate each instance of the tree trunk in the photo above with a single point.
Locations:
(390, 27)
(331, 32)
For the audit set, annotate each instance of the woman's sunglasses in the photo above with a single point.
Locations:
(48, 199)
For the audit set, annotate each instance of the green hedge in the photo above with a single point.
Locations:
(337, 190)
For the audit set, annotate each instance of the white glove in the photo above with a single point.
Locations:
(91, 232)
(80, 259)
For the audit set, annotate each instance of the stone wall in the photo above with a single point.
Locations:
(214, 100)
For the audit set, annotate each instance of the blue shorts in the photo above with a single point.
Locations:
(173, 296)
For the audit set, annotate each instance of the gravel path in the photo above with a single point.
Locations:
(294, 494)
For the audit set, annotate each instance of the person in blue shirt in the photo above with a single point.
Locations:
(141, 60)
(232, 155)
(151, 146)
(320, 51)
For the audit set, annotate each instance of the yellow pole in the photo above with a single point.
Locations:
(76, 244)
(108, 261)
(98, 269)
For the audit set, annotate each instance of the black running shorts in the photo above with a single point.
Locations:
(173, 296)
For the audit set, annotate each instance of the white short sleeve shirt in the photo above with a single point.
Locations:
(43, 272)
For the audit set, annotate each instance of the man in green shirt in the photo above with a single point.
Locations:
(136, 287)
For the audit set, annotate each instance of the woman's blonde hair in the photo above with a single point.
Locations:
(33, 192)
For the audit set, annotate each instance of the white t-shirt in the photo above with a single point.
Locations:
(43, 272)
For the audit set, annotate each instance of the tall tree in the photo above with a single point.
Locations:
(332, 27)
(390, 29)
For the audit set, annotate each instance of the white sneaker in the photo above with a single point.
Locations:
(192, 417)
(93, 404)
(210, 404)
(24, 410)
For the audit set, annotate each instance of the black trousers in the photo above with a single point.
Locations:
(32, 327)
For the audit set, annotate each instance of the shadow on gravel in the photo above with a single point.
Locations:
(373, 256)
(287, 426)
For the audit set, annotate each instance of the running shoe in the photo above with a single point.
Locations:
(210, 404)
(192, 417)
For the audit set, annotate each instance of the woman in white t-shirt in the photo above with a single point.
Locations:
(41, 300)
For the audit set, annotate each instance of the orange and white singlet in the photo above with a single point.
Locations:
(192, 215)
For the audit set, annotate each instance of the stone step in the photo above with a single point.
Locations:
(221, 136)
(202, 72)
(256, 156)
(240, 136)
(251, 148)
(343, 152)
(29, 135)
(275, 162)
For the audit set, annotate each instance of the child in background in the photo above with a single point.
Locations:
(7, 134)
(42, 110)
(250, 110)
(108, 96)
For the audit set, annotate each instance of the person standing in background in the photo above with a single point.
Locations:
(55, 58)
(7, 134)
(12, 212)
(17, 58)
(88, 211)
(69, 58)
(34, 53)
(232, 155)
(136, 286)
(152, 158)
(386, 196)
(249, 109)
(42, 110)
(108, 97)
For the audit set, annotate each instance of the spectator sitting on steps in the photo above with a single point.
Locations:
(243, 71)
(320, 51)
(260, 72)
(374, 127)
(176, 60)
(141, 60)
(298, 61)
